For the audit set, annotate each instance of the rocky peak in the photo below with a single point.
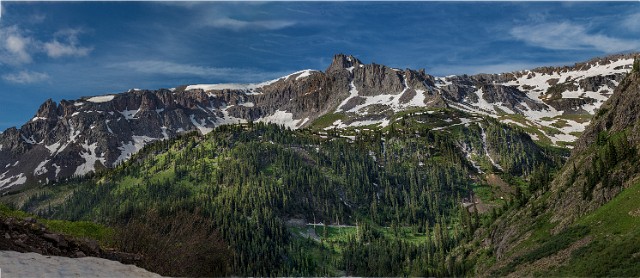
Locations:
(342, 62)
(48, 110)
(376, 79)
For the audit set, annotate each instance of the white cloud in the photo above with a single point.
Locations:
(69, 45)
(56, 49)
(569, 36)
(15, 46)
(18, 46)
(25, 77)
(238, 25)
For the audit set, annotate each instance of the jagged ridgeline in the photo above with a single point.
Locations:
(76, 137)
(391, 198)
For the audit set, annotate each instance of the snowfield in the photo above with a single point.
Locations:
(16, 264)
(100, 99)
(248, 87)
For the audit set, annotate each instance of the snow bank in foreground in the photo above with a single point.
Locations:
(15, 264)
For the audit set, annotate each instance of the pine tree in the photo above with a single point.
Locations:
(636, 65)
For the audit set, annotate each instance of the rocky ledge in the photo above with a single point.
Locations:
(29, 235)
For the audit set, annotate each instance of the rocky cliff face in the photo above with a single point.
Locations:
(603, 163)
(81, 136)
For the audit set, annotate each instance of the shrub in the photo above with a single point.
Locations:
(182, 244)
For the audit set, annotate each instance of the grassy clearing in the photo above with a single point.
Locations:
(490, 194)
(327, 120)
(79, 229)
(560, 123)
(615, 249)
(619, 216)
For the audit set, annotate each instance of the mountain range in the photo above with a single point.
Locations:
(76, 137)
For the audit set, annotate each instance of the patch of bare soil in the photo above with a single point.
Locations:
(495, 180)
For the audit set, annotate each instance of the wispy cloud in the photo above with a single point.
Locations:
(570, 36)
(18, 46)
(166, 68)
(66, 43)
(15, 46)
(239, 25)
(25, 77)
(632, 22)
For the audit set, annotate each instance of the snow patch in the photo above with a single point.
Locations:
(468, 154)
(282, 118)
(418, 99)
(304, 73)
(228, 119)
(353, 92)
(132, 147)
(38, 119)
(90, 157)
(101, 99)
(247, 87)
(58, 168)
(106, 123)
(41, 169)
(129, 114)
(16, 264)
(340, 124)
(304, 121)
(11, 181)
(29, 140)
(201, 125)
(219, 87)
(164, 132)
(486, 148)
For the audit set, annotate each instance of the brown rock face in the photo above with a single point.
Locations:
(620, 112)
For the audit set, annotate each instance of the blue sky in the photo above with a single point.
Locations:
(64, 50)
